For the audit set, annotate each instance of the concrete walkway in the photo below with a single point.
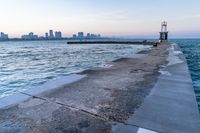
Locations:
(171, 106)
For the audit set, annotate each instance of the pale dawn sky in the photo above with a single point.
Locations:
(126, 18)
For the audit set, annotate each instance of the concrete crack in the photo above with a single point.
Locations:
(81, 110)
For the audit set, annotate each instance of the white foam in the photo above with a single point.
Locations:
(165, 73)
(178, 52)
(142, 130)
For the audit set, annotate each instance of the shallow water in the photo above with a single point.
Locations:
(191, 50)
(29, 64)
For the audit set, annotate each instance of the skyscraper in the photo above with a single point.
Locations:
(51, 35)
(88, 35)
(31, 34)
(74, 36)
(3, 36)
(58, 35)
(80, 34)
(46, 35)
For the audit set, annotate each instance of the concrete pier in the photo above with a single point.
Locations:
(149, 93)
(111, 42)
(171, 106)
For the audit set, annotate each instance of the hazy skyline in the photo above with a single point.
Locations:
(126, 18)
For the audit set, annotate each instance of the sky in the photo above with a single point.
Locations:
(119, 18)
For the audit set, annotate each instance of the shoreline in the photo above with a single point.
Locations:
(109, 99)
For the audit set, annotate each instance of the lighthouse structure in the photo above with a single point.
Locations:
(163, 32)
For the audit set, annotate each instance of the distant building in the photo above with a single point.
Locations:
(88, 35)
(58, 35)
(30, 36)
(35, 36)
(93, 36)
(3, 36)
(46, 35)
(51, 35)
(41, 37)
(80, 34)
(74, 36)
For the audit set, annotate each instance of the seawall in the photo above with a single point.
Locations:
(112, 42)
(151, 92)
(171, 106)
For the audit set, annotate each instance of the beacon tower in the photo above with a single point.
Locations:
(163, 32)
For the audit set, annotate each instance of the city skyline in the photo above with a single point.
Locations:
(50, 35)
(127, 18)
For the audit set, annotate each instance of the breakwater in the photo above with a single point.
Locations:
(111, 42)
(150, 92)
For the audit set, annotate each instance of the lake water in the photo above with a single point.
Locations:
(28, 64)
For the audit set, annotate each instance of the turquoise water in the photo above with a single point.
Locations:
(25, 65)
(191, 50)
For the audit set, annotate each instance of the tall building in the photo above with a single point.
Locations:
(93, 36)
(31, 35)
(58, 35)
(3, 36)
(80, 34)
(88, 35)
(46, 35)
(74, 36)
(51, 35)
